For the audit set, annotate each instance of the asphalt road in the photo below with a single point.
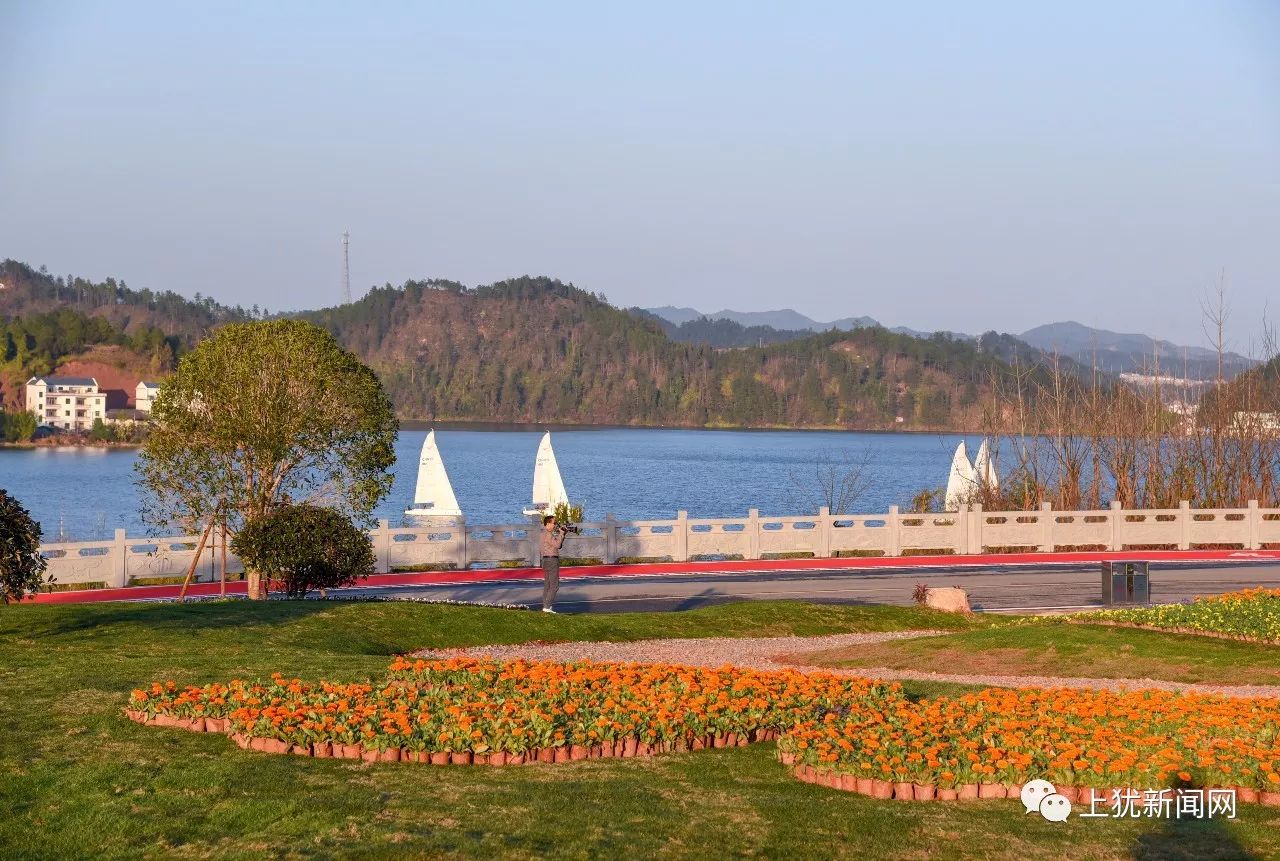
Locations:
(1012, 588)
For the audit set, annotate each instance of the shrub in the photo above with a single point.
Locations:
(21, 565)
(102, 432)
(305, 547)
(17, 426)
(566, 514)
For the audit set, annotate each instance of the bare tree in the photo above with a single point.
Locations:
(1074, 437)
(835, 480)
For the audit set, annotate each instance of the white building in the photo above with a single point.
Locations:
(70, 403)
(145, 395)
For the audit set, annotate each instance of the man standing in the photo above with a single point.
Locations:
(552, 539)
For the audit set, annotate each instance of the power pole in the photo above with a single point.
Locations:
(346, 268)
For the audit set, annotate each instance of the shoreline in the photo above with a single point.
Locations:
(528, 427)
(77, 444)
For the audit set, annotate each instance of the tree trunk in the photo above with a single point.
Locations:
(254, 579)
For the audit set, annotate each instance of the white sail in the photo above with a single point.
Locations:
(548, 486)
(962, 480)
(984, 467)
(433, 495)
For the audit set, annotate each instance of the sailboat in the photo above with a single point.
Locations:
(433, 496)
(984, 467)
(548, 486)
(962, 480)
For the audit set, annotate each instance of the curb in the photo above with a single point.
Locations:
(667, 569)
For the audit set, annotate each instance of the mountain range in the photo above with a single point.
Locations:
(526, 349)
(1113, 352)
(538, 350)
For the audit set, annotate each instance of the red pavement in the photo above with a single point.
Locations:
(427, 578)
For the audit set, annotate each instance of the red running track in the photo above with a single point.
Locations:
(429, 578)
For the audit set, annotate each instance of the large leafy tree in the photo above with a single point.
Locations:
(263, 414)
(306, 547)
(21, 565)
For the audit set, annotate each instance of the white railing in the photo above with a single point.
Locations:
(138, 561)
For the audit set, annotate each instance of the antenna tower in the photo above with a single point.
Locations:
(346, 268)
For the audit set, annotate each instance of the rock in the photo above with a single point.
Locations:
(948, 599)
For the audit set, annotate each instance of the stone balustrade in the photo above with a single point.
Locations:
(126, 561)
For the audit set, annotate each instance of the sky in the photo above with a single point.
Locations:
(975, 166)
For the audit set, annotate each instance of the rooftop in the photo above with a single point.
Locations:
(64, 381)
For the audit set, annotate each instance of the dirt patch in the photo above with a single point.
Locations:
(117, 370)
(998, 661)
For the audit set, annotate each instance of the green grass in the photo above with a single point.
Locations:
(1057, 648)
(80, 781)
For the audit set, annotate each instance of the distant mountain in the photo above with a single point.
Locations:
(721, 334)
(675, 315)
(1112, 352)
(784, 319)
(1117, 352)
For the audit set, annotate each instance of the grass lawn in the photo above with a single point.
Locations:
(81, 781)
(1056, 648)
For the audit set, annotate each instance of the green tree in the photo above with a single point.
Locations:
(262, 414)
(101, 431)
(21, 565)
(306, 547)
(18, 426)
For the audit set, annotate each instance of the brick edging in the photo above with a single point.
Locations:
(629, 747)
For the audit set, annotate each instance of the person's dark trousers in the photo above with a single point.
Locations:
(550, 579)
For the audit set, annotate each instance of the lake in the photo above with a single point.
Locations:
(86, 493)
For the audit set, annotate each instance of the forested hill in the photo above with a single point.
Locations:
(538, 350)
(102, 329)
(533, 350)
(27, 292)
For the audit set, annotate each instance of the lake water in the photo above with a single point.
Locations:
(632, 473)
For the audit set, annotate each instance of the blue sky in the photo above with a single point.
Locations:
(938, 165)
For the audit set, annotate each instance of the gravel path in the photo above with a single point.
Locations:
(773, 653)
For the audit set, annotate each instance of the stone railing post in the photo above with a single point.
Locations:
(610, 539)
(753, 533)
(1184, 525)
(1117, 526)
(976, 519)
(460, 546)
(824, 533)
(895, 534)
(1253, 520)
(119, 561)
(382, 545)
(535, 540)
(1046, 527)
(682, 536)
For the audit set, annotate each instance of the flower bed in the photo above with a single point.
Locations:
(987, 744)
(1251, 614)
(497, 713)
(846, 733)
